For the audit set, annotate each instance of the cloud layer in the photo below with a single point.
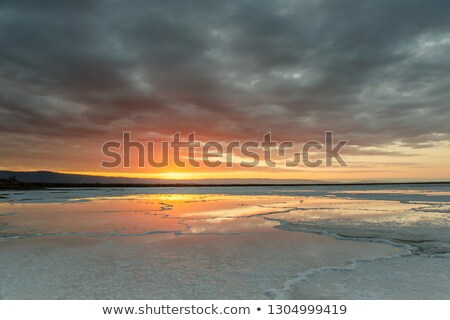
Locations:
(375, 72)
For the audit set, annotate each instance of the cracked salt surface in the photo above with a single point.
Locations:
(226, 243)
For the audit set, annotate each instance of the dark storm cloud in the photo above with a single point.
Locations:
(373, 71)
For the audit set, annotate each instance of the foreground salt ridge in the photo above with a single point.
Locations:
(281, 216)
(400, 276)
(286, 291)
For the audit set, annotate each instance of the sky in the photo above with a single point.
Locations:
(75, 74)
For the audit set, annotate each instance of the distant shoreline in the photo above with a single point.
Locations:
(35, 185)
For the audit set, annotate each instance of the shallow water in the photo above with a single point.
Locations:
(226, 243)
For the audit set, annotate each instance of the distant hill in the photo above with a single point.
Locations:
(64, 178)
